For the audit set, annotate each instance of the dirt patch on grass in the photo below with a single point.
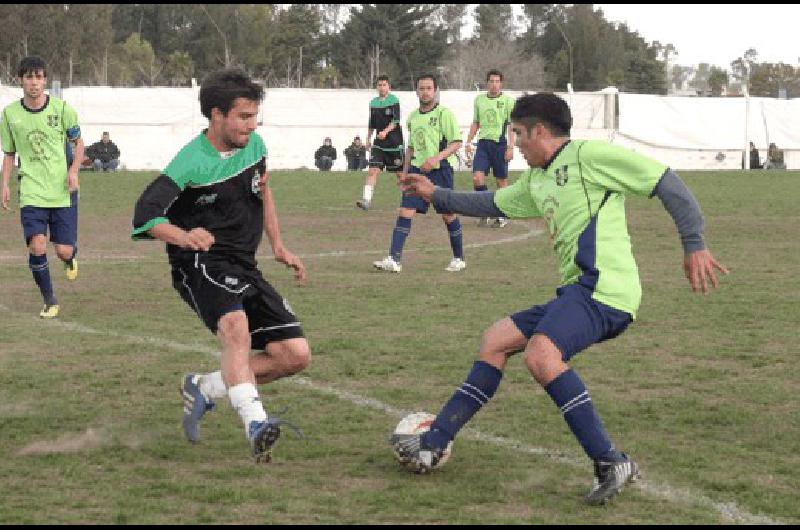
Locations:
(66, 443)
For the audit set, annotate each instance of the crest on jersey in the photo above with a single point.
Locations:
(561, 175)
(434, 121)
(52, 120)
(205, 200)
(255, 184)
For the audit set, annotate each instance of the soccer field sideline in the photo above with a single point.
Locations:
(728, 510)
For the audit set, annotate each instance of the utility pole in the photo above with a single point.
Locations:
(569, 48)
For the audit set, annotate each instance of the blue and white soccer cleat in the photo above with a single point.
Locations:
(195, 405)
(610, 478)
(262, 436)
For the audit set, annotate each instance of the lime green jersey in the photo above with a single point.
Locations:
(39, 138)
(493, 115)
(581, 195)
(431, 132)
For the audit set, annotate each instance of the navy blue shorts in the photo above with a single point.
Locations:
(61, 222)
(491, 155)
(572, 320)
(442, 177)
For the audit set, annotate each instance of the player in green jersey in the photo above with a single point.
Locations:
(37, 128)
(434, 138)
(579, 188)
(492, 117)
(210, 206)
(387, 150)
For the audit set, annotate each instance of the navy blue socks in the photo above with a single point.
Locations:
(41, 275)
(456, 238)
(477, 390)
(401, 230)
(570, 395)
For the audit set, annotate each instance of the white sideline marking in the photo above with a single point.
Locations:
(110, 258)
(728, 510)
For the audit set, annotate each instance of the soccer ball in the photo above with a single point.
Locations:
(415, 424)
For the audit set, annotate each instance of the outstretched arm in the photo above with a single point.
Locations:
(698, 262)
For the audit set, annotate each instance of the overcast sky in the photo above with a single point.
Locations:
(716, 34)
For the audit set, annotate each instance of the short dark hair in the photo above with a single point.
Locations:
(428, 76)
(545, 108)
(383, 78)
(30, 65)
(492, 72)
(220, 89)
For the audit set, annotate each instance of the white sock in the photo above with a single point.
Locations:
(245, 400)
(368, 192)
(212, 386)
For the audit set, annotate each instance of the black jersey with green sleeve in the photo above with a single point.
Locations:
(382, 112)
(203, 188)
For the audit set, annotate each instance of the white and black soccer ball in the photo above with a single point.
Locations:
(410, 426)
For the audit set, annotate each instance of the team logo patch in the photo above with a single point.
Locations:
(37, 139)
(205, 200)
(52, 121)
(255, 184)
(287, 306)
(561, 175)
(433, 121)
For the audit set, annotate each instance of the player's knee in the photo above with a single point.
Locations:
(233, 332)
(299, 357)
(37, 245)
(543, 360)
(64, 253)
(293, 355)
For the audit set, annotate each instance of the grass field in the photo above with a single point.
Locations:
(702, 391)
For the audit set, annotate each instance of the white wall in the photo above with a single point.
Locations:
(150, 125)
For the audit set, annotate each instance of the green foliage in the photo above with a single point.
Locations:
(717, 79)
(579, 38)
(408, 44)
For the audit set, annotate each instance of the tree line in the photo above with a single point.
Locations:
(337, 45)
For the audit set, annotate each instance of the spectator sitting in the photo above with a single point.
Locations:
(774, 158)
(325, 156)
(104, 154)
(755, 161)
(356, 155)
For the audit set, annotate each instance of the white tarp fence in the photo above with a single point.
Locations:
(150, 125)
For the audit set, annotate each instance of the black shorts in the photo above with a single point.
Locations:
(389, 160)
(215, 288)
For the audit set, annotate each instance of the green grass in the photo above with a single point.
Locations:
(701, 390)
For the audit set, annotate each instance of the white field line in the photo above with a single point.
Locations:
(727, 510)
(110, 258)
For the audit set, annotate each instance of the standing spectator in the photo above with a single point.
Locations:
(325, 156)
(774, 158)
(755, 161)
(356, 155)
(104, 154)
